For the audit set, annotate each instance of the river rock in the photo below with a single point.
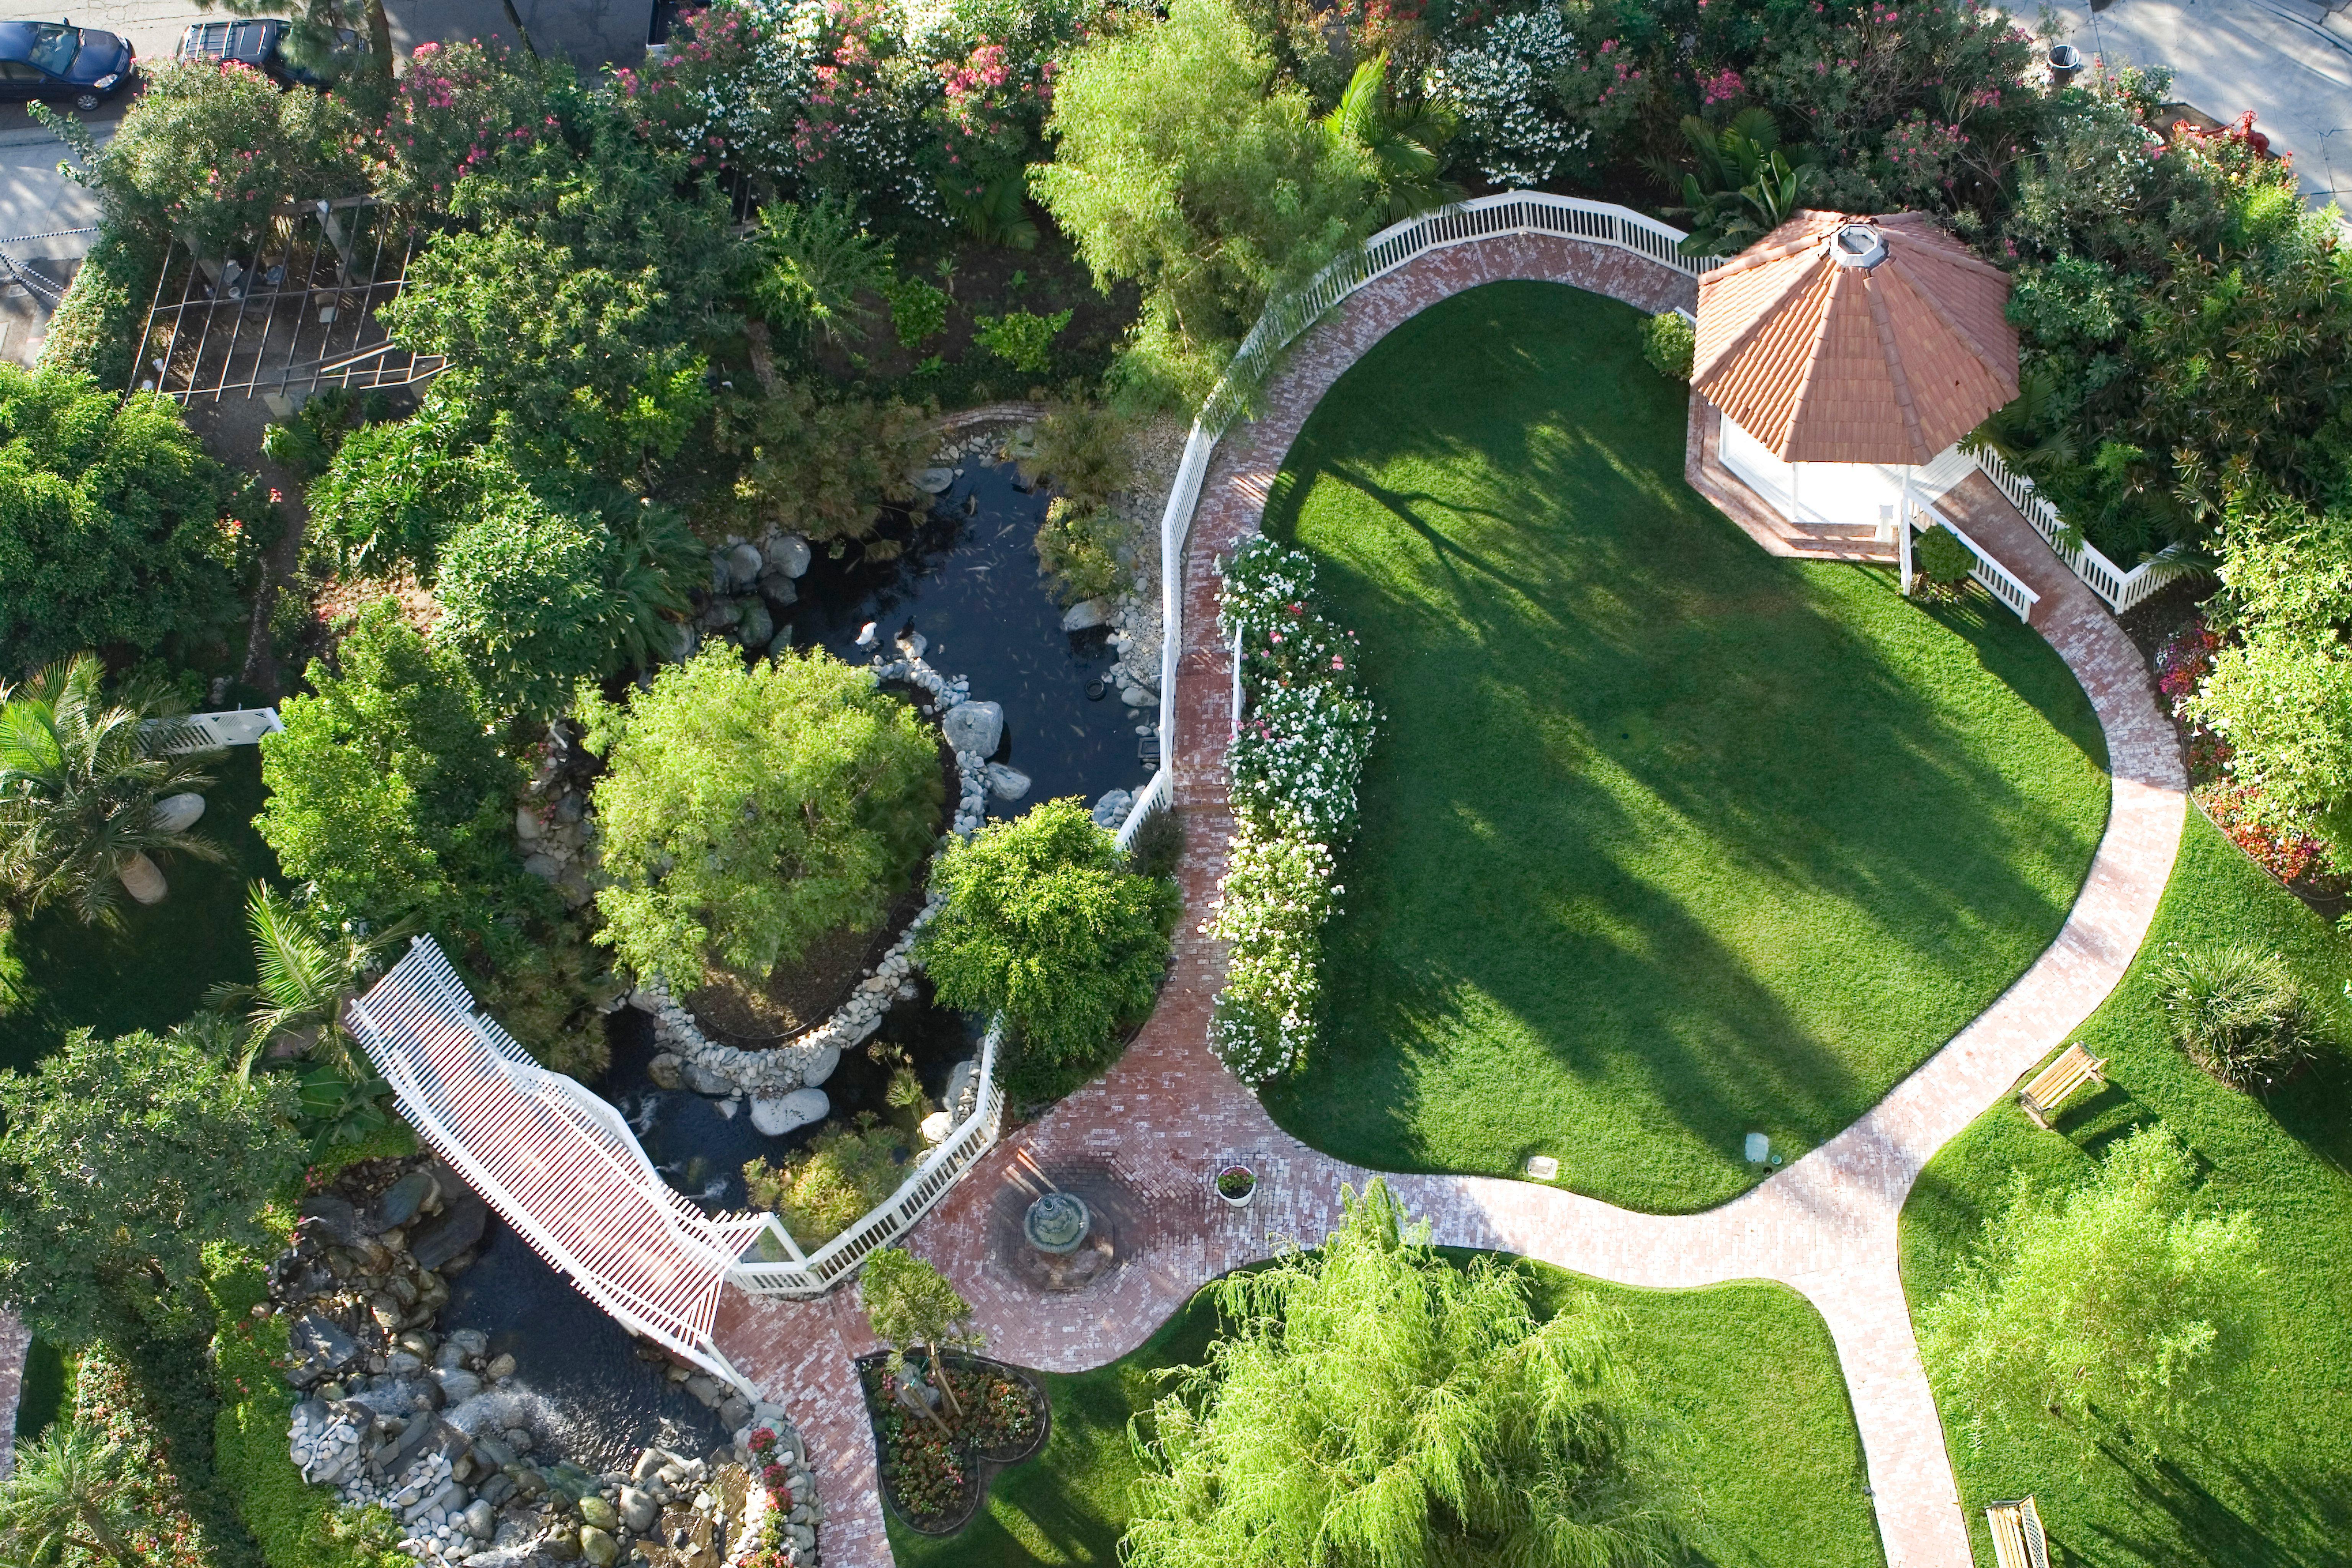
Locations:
(457, 1384)
(177, 813)
(322, 1345)
(1112, 809)
(780, 1114)
(482, 1520)
(528, 827)
(330, 1219)
(744, 563)
(788, 554)
(757, 627)
(598, 1546)
(667, 1069)
(937, 1126)
(638, 1511)
(501, 1367)
(598, 1512)
(459, 1227)
(1087, 614)
(1007, 783)
(821, 1066)
(403, 1199)
(974, 727)
(780, 591)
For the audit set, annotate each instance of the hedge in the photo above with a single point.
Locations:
(96, 327)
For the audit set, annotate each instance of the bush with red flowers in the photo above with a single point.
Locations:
(935, 1471)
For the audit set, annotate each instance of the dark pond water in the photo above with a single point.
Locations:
(970, 584)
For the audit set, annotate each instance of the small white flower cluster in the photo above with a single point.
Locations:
(1501, 91)
(1294, 767)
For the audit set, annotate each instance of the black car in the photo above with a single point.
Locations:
(61, 62)
(260, 42)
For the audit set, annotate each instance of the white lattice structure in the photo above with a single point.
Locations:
(205, 731)
(556, 1162)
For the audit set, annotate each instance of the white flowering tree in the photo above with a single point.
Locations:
(1501, 89)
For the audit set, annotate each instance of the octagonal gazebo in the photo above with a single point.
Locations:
(1848, 355)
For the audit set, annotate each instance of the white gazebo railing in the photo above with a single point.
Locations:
(1486, 218)
(1999, 580)
(772, 1263)
(556, 1162)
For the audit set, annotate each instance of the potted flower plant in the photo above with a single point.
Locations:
(1237, 1184)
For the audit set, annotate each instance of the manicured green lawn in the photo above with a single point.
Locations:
(2270, 1483)
(1746, 1371)
(1665, 840)
(58, 974)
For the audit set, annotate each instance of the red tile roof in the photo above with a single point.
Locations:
(1829, 364)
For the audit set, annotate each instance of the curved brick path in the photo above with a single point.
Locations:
(1168, 1113)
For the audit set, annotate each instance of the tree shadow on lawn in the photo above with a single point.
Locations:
(1611, 812)
(2212, 1505)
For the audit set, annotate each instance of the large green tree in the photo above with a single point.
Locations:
(1046, 923)
(388, 788)
(1183, 164)
(111, 531)
(122, 1159)
(746, 812)
(2117, 1306)
(1372, 1405)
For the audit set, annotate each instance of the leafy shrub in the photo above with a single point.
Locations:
(393, 493)
(918, 311)
(814, 465)
(305, 443)
(1158, 843)
(1668, 343)
(2238, 1013)
(179, 1518)
(1082, 447)
(2119, 1304)
(1075, 549)
(1941, 558)
(746, 812)
(96, 327)
(1020, 339)
(843, 1173)
(1046, 923)
(110, 529)
(815, 260)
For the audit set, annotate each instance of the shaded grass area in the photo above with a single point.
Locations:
(2267, 1482)
(58, 974)
(1748, 1371)
(1665, 840)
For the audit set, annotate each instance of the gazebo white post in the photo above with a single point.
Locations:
(1903, 532)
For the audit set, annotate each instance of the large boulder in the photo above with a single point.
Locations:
(783, 1113)
(459, 1227)
(331, 1219)
(178, 813)
(744, 563)
(403, 1199)
(757, 629)
(1111, 809)
(788, 554)
(1087, 614)
(974, 727)
(638, 1511)
(1007, 783)
(821, 1066)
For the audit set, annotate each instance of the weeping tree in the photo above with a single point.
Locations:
(84, 810)
(1374, 1405)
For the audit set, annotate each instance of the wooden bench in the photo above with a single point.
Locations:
(2017, 1538)
(2048, 1088)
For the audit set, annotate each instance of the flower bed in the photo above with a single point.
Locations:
(936, 1480)
(1294, 768)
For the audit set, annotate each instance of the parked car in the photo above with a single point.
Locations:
(59, 62)
(260, 42)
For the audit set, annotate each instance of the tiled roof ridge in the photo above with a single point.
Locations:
(1799, 278)
(1901, 379)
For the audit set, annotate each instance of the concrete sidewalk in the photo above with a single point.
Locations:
(2290, 62)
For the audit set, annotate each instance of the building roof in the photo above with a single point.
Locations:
(1845, 339)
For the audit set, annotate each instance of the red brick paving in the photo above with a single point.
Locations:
(1167, 1114)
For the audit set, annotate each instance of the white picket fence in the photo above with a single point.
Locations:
(811, 1274)
(1999, 580)
(2119, 588)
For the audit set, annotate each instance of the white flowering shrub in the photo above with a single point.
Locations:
(1293, 769)
(1502, 92)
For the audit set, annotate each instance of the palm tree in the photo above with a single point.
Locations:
(1403, 145)
(68, 1492)
(303, 978)
(83, 806)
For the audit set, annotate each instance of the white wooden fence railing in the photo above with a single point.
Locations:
(556, 1162)
(1999, 580)
(2119, 588)
(203, 732)
(798, 1274)
(1486, 218)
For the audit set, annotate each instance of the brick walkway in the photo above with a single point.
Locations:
(1167, 1114)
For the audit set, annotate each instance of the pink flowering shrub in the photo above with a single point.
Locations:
(456, 108)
